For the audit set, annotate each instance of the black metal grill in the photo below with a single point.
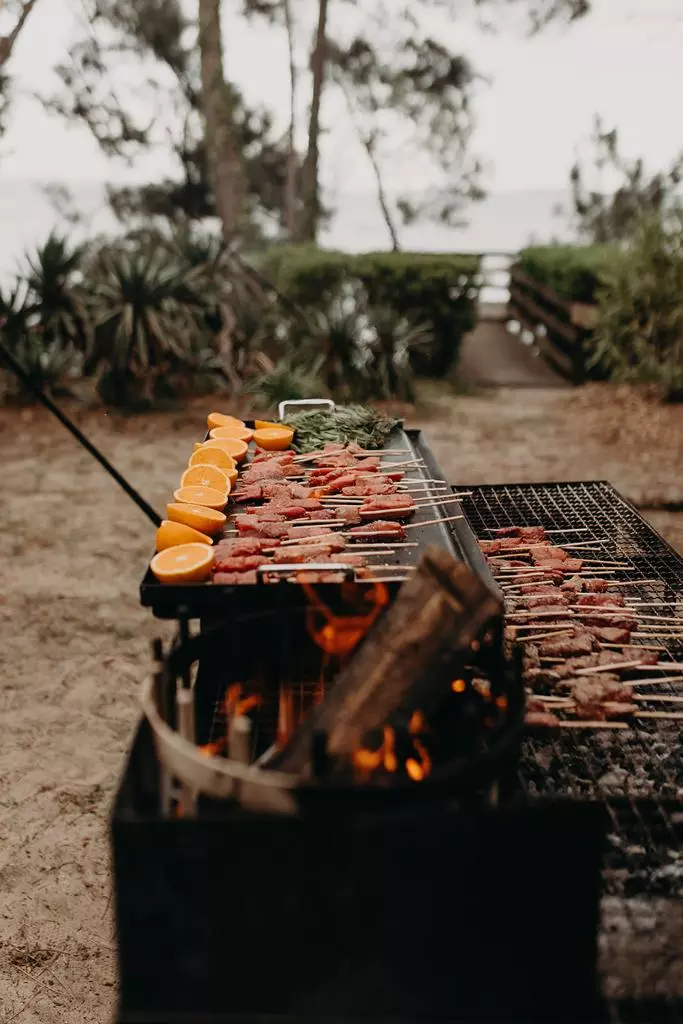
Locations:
(638, 773)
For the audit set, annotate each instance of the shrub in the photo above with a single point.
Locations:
(574, 272)
(639, 336)
(439, 291)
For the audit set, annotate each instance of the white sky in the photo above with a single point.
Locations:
(623, 62)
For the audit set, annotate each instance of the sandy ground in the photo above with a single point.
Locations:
(74, 641)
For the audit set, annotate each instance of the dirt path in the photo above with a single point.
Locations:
(490, 355)
(74, 641)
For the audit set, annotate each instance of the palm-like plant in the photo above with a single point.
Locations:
(394, 340)
(339, 338)
(148, 317)
(53, 276)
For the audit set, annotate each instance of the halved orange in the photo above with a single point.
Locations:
(170, 535)
(264, 424)
(206, 520)
(235, 448)
(232, 475)
(208, 497)
(212, 456)
(206, 475)
(219, 419)
(186, 563)
(241, 433)
(274, 439)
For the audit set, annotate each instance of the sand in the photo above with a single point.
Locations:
(74, 642)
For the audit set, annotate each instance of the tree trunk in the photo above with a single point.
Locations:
(381, 194)
(291, 183)
(7, 42)
(310, 214)
(222, 150)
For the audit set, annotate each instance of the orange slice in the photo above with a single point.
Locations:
(206, 520)
(212, 456)
(187, 563)
(219, 419)
(232, 446)
(170, 535)
(206, 475)
(241, 433)
(232, 475)
(208, 497)
(265, 424)
(274, 439)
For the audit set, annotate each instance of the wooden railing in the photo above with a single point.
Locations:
(560, 328)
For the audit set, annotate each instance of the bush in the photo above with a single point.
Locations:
(435, 290)
(573, 272)
(639, 336)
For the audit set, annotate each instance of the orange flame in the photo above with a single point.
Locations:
(458, 686)
(286, 718)
(236, 704)
(340, 634)
(212, 749)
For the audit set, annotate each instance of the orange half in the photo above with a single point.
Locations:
(274, 439)
(203, 455)
(170, 535)
(241, 433)
(208, 497)
(220, 419)
(232, 446)
(206, 520)
(186, 563)
(206, 475)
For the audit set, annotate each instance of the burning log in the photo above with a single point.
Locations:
(441, 614)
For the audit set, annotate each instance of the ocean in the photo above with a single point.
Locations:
(503, 222)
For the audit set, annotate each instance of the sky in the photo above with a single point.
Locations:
(535, 108)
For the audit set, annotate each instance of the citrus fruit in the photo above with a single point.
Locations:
(232, 446)
(274, 439)
(206, 520)
(232, 475)
(241, 433)
(219, 419)
(208, 497)
(265, 424)
(206, 475)
(186, 563)
(205, 456)
(170, 535)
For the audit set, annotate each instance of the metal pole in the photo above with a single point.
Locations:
(19, 371)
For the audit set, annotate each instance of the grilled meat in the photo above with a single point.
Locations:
(541, 719)
(566, 647)
(541, 677)
(525, 533)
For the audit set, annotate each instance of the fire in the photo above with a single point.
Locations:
(458, 686)
(212, 749)
(236, 704)
(340, 634)
(371, 760)
(286, 718)
(417, 767)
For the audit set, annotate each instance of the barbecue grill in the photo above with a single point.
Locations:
(637, 775)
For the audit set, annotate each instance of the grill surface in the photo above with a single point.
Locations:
(637, 774)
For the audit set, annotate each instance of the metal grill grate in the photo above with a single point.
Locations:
(638, 773)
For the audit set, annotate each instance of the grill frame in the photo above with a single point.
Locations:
(637, 777)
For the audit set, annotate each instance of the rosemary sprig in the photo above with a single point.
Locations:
(367, 427)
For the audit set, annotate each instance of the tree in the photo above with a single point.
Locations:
(625, 192)
(158, 105)
(20, 13)
(220, 140)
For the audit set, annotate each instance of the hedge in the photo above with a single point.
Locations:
(573, 272)
(438, 290)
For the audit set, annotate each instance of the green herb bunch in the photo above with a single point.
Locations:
(367, 427)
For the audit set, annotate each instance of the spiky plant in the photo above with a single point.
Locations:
(54, 278)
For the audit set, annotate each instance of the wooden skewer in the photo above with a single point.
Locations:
(663, 665)
(655, 681)
(540, 614)
(599, 669)
(381, 579)
(641, 647)
(441, 501)
(541, 636)
(632, 583)
(579, 724)
(672, 715)
(578, 529)
(595, 561)
(433, 522)
(658, 698)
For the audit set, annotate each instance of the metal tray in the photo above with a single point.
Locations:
(201, 599)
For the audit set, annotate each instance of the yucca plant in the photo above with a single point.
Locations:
(148, 317)
(394, 341)
(50, 366)
(339, 338)
(286, 380)
(53, 276)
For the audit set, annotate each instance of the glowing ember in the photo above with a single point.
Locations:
(211, 749)
(236, 704)
(458, 686)
(417, 723)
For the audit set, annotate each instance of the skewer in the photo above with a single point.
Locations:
(381, 579)
(658, 698)
(632, 583)
(641, 647)
(579, 724)
(670, 680)
(540, 614)
(433, 522)
(541, 636)
(672, 715)
(574, 529)
(596, 561)
(664, 665)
